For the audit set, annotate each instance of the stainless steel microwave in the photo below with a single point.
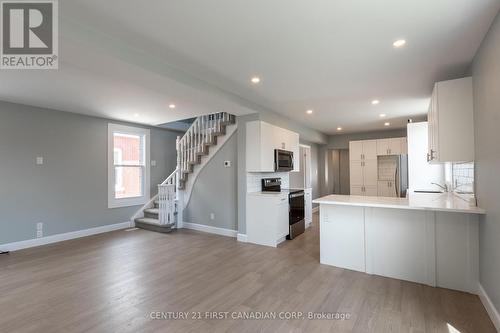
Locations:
(283, 160)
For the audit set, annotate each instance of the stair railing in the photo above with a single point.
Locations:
(200, 134)
(190, 146)
(167, 197)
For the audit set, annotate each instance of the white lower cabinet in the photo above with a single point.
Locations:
(267, 218)
(386, 188)
(363, 177)
(371, 191)
(342, 241)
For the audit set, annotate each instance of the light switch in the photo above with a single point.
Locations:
(39, 160)
(153, 163)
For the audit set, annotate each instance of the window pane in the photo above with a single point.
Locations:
(128, 149)
(128, 182)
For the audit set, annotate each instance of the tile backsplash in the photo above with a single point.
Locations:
(254, 180)
(463, 177)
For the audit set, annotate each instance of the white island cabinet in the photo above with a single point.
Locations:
(426, 238)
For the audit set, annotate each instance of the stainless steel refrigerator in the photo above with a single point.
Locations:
(393, 175)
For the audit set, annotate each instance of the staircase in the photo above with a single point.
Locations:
(161, 213)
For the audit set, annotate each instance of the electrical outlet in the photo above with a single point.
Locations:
(227, 164)
(39, 234)
(153, 163)
(212, 216)
(39, 160)
(39, 226)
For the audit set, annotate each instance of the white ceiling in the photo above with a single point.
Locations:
(122, 57)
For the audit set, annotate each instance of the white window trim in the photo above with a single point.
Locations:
(126, 202)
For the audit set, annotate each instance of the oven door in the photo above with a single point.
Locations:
(297, 210)
(283, 160)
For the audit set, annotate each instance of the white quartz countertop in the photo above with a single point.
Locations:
(445, 202)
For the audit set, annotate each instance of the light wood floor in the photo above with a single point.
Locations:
(112, 282)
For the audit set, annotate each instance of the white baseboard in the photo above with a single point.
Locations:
(490, 308)
(15, 246)
(210, 229)
(242, 238)
(315, 209)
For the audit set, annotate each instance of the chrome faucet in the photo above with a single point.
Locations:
(445, 187)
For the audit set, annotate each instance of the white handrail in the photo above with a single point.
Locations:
(166, 204)
(190, 146)
(171, 179)
(200, 134)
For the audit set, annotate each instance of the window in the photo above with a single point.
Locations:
(128, 166)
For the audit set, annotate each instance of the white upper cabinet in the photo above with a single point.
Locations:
(356, 150)
(363, 150)
(262, 139)
(392, 146)
(451, 122)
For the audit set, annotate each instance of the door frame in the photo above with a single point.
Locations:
(309, 169)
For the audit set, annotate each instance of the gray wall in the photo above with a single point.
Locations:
(342, 141)
(215, 190)
(68, 192)
(486, 77)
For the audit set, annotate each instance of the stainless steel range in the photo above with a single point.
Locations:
(296, 204)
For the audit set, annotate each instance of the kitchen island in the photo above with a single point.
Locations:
(429, 238)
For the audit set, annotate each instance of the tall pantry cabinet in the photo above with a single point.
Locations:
(363, 167)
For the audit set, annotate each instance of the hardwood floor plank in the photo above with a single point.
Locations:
(113, 282)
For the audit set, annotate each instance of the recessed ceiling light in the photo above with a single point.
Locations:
(399, 43)
(309, 111)
(255, 79)
(382, 115)
(387, 124)
(172, 106)
(136, 115)
(375, 102)
(339, 128)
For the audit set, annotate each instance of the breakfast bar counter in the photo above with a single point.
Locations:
(429, 238)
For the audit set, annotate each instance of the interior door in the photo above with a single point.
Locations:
(344, 172)
(306, 164)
